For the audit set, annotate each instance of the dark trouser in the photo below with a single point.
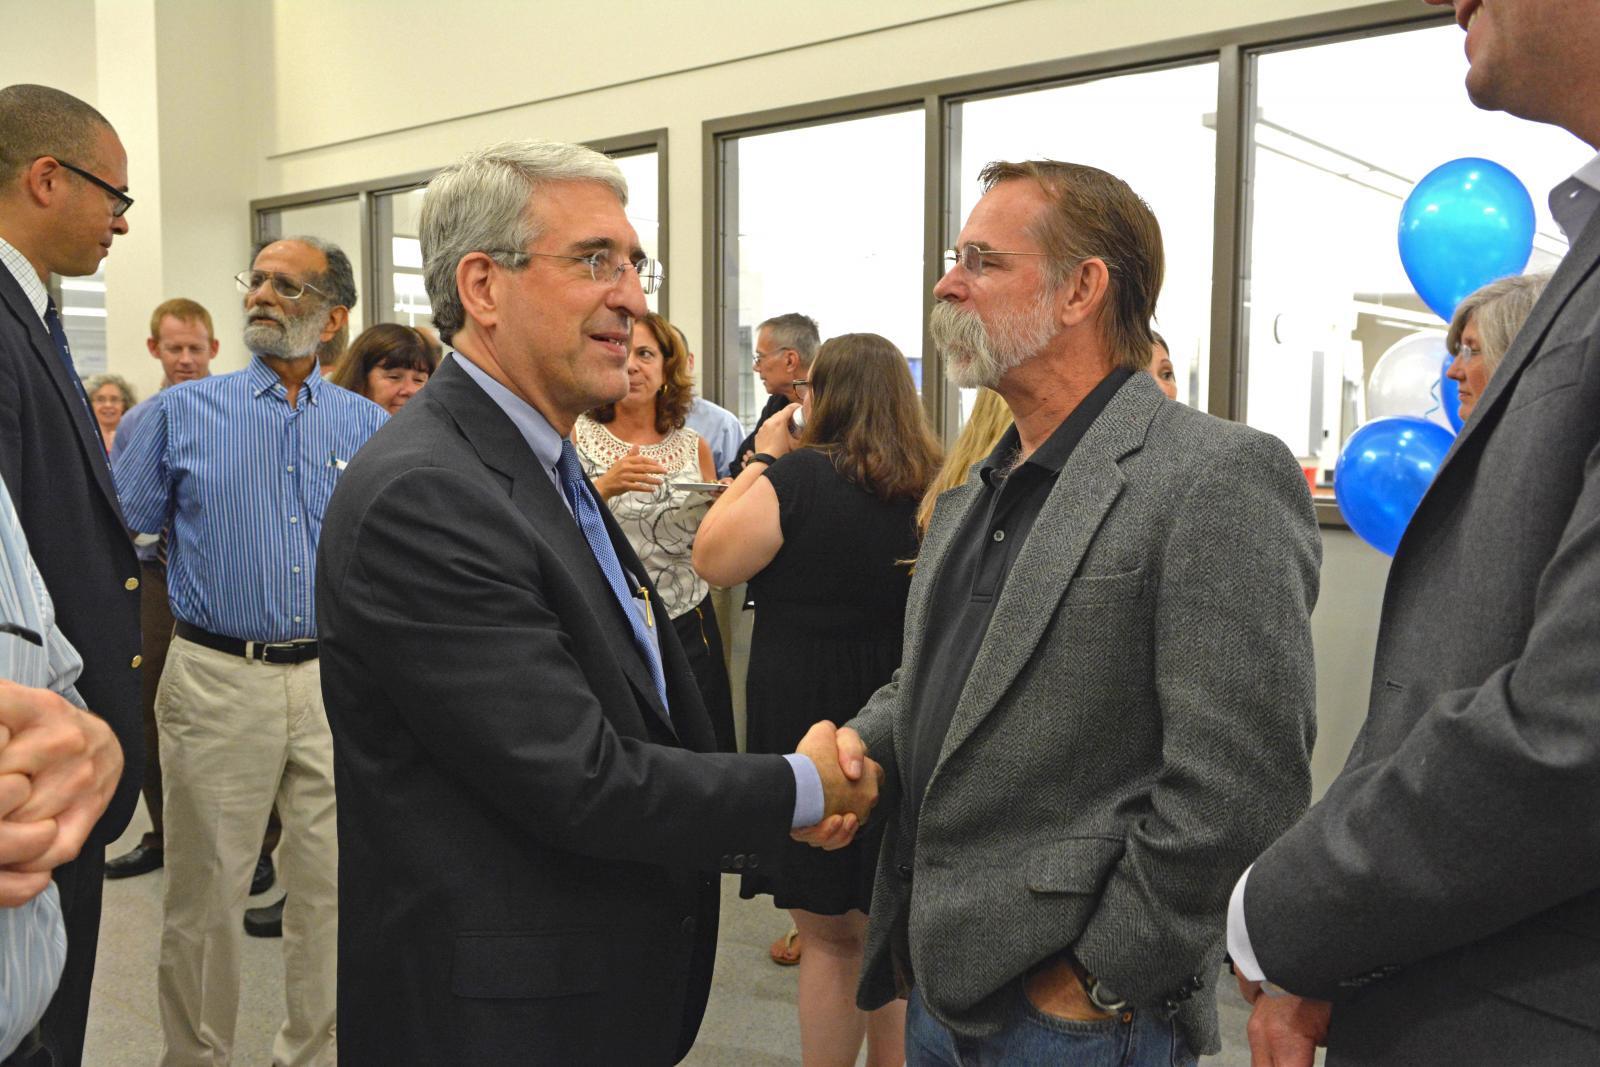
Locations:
(59, 1040)
(702, 644)
(155, 618)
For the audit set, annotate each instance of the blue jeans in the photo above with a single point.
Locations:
(1134, 1038)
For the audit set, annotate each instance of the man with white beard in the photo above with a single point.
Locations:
(238, 469)
(1105, 706)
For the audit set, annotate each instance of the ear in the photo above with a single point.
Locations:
(43, 180)
(215, 344)
(337, 318)
(150, 343)
(476, 289)
(1084, 291)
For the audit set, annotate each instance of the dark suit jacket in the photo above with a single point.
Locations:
(1446, 891)
(775, 403)
(55, 467)
(526, 846)
(1136, 727)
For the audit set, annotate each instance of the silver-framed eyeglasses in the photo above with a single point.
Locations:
(285, 285)
(971, 257)
(602, 267)
(1466, 351)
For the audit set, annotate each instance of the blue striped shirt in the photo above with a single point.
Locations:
(33, 936)
(242, 480)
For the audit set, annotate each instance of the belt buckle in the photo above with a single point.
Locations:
(288, 649)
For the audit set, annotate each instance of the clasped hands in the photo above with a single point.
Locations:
(59, 767)
(1284, 1029)
(850, 784)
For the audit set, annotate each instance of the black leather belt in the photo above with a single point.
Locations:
(266, 651)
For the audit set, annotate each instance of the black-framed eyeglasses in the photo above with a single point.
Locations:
(285, 285)
(123, 200)
(801, 387)
(971, 257)
(602, 267)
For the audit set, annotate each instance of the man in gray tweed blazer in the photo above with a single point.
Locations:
(1444, 894)
(1105, 708)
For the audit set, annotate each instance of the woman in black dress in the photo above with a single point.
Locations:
(822, 526)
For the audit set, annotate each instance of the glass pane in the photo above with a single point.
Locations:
(1171, 162)
(643, 172)
(336, 222)
(842, 244)
(1324, 292)
(83, 317)
(404, 298)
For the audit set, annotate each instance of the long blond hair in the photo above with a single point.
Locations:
(989, 420)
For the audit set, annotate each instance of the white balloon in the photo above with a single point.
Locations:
(1405, 380)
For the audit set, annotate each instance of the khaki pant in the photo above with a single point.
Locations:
(237, 735)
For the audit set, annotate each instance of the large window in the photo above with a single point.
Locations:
(1153, 129)
(826, 220)
(643, 173)
(1323, 290)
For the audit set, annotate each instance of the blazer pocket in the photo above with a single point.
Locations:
(529, 965)
(1105, 588)
(1072, 864)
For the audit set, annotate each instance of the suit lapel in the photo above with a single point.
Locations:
(1580, 263)
(1084, 491)
(44, 350)
(501, 447)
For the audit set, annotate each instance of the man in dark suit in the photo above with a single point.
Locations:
(1444, 895)
(785, 347)
(62, 176)
(1106, 706)
(531, 810)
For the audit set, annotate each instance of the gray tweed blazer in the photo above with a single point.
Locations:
(1445, 892)
(1136, 728)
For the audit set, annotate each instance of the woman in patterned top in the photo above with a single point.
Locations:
(638, 451)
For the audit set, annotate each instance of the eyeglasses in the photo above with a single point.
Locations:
(602, 268)
(971, 257)
(286, 286)
(802, 387)
(1466, 351)
(760, 355)
(123, 200)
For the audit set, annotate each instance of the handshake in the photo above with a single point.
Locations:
(59, 766)
(850, 784)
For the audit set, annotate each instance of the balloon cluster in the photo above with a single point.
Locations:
(1465, 224)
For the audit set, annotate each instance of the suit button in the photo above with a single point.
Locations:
(738, 863)
(688, 924)
(903, 870)
(136, 661)
(131, 584)
(754, 862)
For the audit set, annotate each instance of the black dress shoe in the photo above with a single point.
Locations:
(265, 922)
(141, 859)
(262, 880)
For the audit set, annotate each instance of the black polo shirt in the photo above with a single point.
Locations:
(974, 573)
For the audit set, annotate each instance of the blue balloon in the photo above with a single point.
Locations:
(1382, 473)
(1467, 222)
(1450, 397)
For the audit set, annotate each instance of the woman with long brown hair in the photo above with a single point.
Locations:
(639, 452)
(820, 524)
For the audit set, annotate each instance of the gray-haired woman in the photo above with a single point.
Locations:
(1482, 329)
(110, 397)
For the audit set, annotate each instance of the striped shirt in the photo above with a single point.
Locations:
(241, 480)
(33, 938)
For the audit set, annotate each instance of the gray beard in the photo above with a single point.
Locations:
(976, 356)
(295, 339)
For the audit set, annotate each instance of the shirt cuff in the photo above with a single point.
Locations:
(808, 806)
(1244, 957)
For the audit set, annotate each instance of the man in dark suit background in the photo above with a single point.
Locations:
(62, 176)
(531, 810)
(1444, 894)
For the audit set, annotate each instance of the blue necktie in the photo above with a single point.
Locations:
(52, 322)
(587, 512)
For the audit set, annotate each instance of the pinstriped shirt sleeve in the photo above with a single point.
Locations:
(33, 939)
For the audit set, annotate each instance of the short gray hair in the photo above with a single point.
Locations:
(99, 381)
(795, 331)
(483, 203)
(1500, 309)
(337, 281)
(36, 120)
